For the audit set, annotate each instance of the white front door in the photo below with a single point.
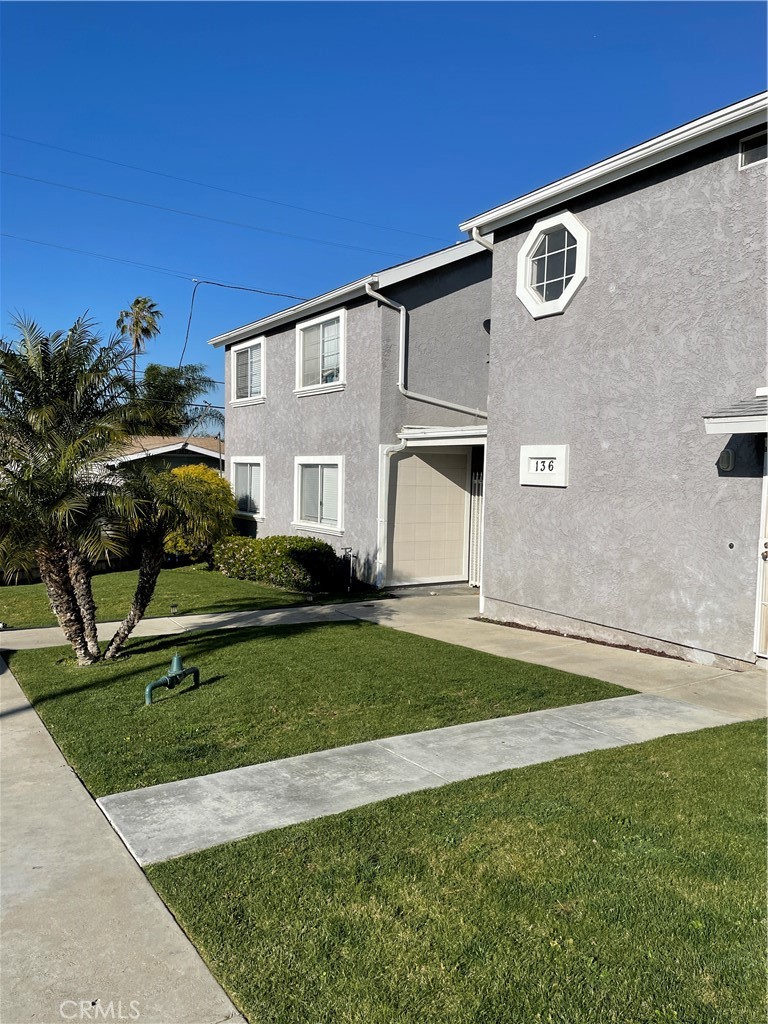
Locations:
(762, 572)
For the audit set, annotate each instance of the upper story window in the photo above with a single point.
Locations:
(248, 371)
(754, 149)
(320, 350)
(552, 264)
(248, 484)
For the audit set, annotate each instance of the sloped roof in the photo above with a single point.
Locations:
(749, 416)
(156, 444)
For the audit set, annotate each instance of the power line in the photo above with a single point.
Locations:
(220, 188)
(203, 216)
(150, 266)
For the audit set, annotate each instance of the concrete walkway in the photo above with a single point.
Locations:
(80, 922)
(449, 614)
(169, 820)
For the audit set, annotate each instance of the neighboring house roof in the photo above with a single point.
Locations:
(750, 416)
(144, 447)
(749, 113)
(356, 289)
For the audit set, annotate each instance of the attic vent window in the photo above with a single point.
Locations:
(754, 149)
(552, 264)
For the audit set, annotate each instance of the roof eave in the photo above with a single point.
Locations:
(749, 113)
(382, 279)
(757, 424)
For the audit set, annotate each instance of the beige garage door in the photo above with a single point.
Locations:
(428, 517)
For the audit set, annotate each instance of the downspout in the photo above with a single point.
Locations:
(401, 371)
(385, 470)
(481, 239)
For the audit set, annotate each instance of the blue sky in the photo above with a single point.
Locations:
(406, 118)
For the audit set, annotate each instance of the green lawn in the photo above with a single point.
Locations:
(617, 887)
(193, 590)
(272, 693)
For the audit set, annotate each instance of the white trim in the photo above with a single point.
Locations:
(762, 567)
(754, 163)
(530, 298)
(443, 435)
(757, 424)
(391, 275)
(251, 399)
(318, 389)
(339, 314)
(742, 116)
(179, 446)
(314, 460)
(249, 460)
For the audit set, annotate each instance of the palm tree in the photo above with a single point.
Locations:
(140, 322)
(164, 502)
(64, 406)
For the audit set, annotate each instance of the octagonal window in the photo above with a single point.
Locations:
(552, 265)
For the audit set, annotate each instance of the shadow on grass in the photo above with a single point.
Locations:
(190, 646)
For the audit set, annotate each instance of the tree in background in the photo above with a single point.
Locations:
(186, 542)
(171, 398)
(64, 410)
(140, 323)
(168, 504)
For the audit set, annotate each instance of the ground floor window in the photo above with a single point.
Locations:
(247, 484)
(318, 501)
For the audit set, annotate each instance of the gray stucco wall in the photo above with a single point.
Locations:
(342, 423)
(649, 537)
(447, 355)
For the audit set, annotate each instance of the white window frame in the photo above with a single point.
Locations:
(314, 460)
(248, 460)
(252, 399)
(526, 292)
(754, 163)
(337, 385)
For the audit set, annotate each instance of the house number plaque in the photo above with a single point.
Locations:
(544, 465)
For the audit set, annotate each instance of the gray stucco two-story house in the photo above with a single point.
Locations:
(625, 473)
(359, 417)
(568, 410)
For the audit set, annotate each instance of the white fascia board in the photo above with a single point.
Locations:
(736, 424)
(442, 433)
(432, 261)
(749, 113)
(166, 450)
(383, 279)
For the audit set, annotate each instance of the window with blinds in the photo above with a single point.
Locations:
(319, 353)
(319, 497)
(248, 372)
(247, 486)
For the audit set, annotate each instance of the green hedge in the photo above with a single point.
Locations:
(296, 563)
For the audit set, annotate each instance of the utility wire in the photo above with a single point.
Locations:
(203, 216)
(150, 266)
(219, 188)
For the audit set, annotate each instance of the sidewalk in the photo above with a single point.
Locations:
(449, 616)
(175, 818)
(80, 921)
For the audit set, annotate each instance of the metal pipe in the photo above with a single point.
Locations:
(401, 368)
(172, 678)
(481, 239)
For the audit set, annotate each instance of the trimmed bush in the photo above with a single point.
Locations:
(296, 563)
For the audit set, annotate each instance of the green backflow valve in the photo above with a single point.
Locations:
(172, 678)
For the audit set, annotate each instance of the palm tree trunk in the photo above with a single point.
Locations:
(54, 573)
(80, 575)
(152, 557)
